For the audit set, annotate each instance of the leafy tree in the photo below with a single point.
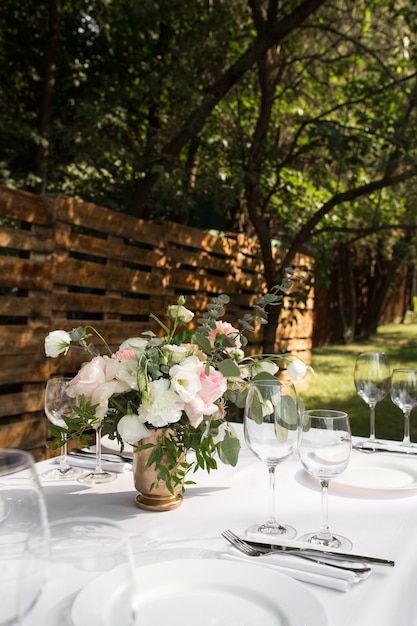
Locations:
(292, 120)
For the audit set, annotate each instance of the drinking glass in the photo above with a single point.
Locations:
(58, 404)
(324, 451)
(404, 395)
(22, 514)
(88, 575)
(372, 379)
(271, 426)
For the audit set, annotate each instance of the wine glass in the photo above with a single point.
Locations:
(57, 405)
(22, 514)
(372, 379)
(324, 451)
(404, 395)
(89, 574)
(271, 426)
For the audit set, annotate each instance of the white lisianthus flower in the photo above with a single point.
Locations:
(236, 354)
(132, 429)
(264, 366)
(134, 342)
(180, 313)
(176, 354)
(185, 378)
(163, 406)
(57, 342)
(297, 369)
(128, 373)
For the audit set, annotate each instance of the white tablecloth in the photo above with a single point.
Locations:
(378, 523)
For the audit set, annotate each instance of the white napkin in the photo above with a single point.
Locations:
(301, 569)
(108, 466)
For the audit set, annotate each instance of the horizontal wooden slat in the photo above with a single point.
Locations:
(20, 205)
(91, 216)
(95, 276)
(26, 306)
(25, 273)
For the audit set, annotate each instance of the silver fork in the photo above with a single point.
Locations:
(249, 550)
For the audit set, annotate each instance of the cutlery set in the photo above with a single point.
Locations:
(323, 557)
(105, 456)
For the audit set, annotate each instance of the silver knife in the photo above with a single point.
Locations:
(370, 448)
(346, 556)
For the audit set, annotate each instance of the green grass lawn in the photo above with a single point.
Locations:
(332, 385)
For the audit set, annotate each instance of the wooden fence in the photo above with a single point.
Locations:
(66, 263)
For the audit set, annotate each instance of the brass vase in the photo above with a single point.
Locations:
(159, 498)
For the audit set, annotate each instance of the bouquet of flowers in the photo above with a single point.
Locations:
(181, 382)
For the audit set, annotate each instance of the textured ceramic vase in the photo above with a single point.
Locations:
(159, 498)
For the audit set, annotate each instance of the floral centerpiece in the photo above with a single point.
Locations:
(181, 382)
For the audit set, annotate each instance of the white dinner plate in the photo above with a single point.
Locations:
(378, 473)
(207, 592)
(112, 445)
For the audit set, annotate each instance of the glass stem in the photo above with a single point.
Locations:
(406, 439)
(372, 423)
(324, 532)
(63, 463)
(271, 470)
(98, 451)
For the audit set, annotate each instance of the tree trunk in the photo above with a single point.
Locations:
(385, 276)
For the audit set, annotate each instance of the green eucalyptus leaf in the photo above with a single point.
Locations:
(228, 368)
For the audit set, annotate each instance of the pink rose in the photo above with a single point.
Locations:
(224, 328)
(213, 386)
(96, 381)
(124, 355)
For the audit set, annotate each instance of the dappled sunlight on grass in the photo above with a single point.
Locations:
(333, 387)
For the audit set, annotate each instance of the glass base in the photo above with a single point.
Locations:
(95, 477)
(274, 530)
(56, 474)
(335, 541)
(408, 444)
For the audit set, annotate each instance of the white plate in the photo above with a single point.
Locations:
(379, 473)
(112, 445)
(207, 592)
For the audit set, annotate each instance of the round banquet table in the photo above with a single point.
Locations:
(379, 521)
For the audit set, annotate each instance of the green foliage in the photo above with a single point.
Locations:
(332, 386)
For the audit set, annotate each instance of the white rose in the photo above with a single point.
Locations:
(57, 342)
(297, 369)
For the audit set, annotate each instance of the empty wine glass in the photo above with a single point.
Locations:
(271, 426)
(22, 514)
(89, 575)
(404, 395)
(324, 451)
(372, 379)
(58, 405)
